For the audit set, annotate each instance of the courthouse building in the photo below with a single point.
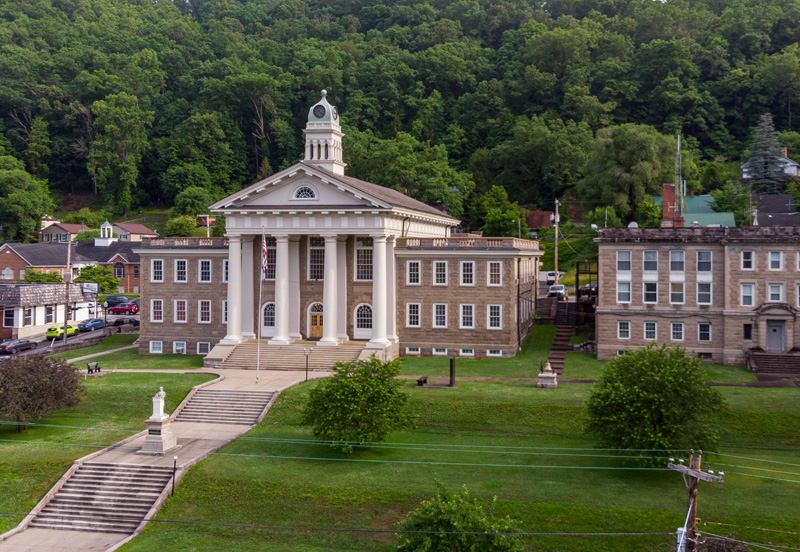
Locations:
(346, 261)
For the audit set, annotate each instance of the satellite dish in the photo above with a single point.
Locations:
(633, 225)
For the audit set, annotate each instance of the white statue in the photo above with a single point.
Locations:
(158, 404)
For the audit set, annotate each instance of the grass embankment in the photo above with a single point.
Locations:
(296, 484)
(113, 341)
(32, 461)
(130, 359)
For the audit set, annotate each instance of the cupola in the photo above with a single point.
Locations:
(324, 136)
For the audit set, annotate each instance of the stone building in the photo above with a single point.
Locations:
(718, 292)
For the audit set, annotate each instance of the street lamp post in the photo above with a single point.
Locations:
(174, 470)
(307, 352)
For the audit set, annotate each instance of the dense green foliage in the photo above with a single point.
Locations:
(101, 275)
(32, 275)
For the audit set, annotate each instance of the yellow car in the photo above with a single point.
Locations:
(58, 331)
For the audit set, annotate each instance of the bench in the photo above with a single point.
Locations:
(422, 381)
(93, 367)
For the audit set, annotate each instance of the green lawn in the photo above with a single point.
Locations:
(130, 359)
(116, 403)
(477, 424)
(113, 341)
(132, 296)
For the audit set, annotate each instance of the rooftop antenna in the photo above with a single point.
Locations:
(678, 182)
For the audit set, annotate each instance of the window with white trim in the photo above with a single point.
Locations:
(748, 260)
(440, 350)
(364, 317)
(178, 347)
(180, 311)
(181, 272)
(677, 262)
(8, 318)
(704, 261)
(268, 315)
(650, 292)
(748, 291)
(494, 352)
(156, 310)
(64, 237)
(305, 192)
(440, 273)
(413, 273)
(27, 316)
(623, 329)
(204, 311)
(204, 271)
(623, 260)
(316, 258)
(225, 270)
(650, 330)
(440, 315)
(623, 292)
(412, 315)
(270, 248)
(363, 259)
(136, 272)
(203, 347)
(466, 352)
(119, 271)
(676, 331)
(495, 273)
(703, 293)
(650, 260)
(676, 293)
(8, 273)
(156, 347)
(412, 350)
(494, 317)
(467, 273)
(775, 292)
(224, 311)
(467, 317)
(156, 270)
(776, 260)
(49, 314)
(704, 331)
(22, 274)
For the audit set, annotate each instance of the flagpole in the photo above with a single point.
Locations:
(260, 317)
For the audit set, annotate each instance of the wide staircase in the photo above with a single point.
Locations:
(110, 498)
(220, 406)
(291, 357)
(771, 363)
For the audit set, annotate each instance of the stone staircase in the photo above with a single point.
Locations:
(109, 498)
(291, 357)
(219, 406)
(772, 363)
(558, 351)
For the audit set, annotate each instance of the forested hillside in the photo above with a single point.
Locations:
(138, 100)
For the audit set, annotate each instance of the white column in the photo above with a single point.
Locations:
(379, 295)
(281, 292)
(329, 299)
(294, 288)
(234, 335)
(391, 311)
(341, 294)
(248, 309)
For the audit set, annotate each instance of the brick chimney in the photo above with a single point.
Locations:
(668, 206)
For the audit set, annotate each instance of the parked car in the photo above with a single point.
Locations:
(114, 300)
(122, 321)
(124, 308)
(551, 277)
(13, 346)
(92, 325)
(559, 291)
(58, 331)
(588, 290)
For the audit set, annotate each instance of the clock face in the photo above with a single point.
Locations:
(319, 111)
(335, 113)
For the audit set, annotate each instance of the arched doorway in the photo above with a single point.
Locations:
(363, 322)
(315, 321)
(268, 319)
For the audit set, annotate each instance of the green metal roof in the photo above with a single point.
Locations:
(704, 219)
(693, 204)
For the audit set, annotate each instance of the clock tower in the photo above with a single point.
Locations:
(324, 137)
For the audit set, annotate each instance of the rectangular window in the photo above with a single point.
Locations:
(63, 237)
(623, 329)
(363, 259)
(677, 331)
(204, 311)
(22, 274)
(439, 350)
(748, 290)
(704, 261)
(8, 318)
(775, 292)
(676, 293)
(156, 310)
(748, 260)
(412, 315)
(412, 350)
(650, 330)
(467, 273)
(748, 331)
(495, 273)
(156, 347)
(156, 270)
(467, 316)
(703, 293)
(49, 314)
(224, 311)
(135, 272)
(412, 273)
(704, 331)
(494, 352)
(623, 261)
(316, 258)
(623, 292)
(467, 352)
(776, 260)
(204, 271)
(203, 347)
(181, 274)
(494, 317)
(440, 273)
(180, 311)
(225, 271)
(651, 292)
(271, 253)
(676, 261)
(27, 316)
(179, 347)
(440, 315)
(650, 261)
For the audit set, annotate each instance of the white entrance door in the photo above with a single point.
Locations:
(268, 320)
(363, 325)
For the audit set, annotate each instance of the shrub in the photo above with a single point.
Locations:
(182, 225)
(449, 512)
(653, 398)
(36, 276)
(361, 403)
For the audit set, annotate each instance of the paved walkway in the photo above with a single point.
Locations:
(197, 441)
(101, 353)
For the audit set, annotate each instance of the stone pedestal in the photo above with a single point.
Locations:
(160, 439)
(547, 378)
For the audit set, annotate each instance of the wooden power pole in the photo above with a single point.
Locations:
(68, 280)
(695, 475)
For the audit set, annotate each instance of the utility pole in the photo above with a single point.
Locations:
(555, 219)
(687, 540)
(68, 280)
(208, 224)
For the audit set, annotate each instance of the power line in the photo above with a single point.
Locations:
(777, 547)
(748, 527)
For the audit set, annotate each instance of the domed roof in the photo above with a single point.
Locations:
(323, 112)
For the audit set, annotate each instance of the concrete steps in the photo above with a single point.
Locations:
(290, 357)
(110, 498)
(218, 406)
(767, 363)
(558, 351)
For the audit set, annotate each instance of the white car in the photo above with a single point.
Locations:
(559, 291)
(551, 276)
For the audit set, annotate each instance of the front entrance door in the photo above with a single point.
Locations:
(775, 335)
(315, 321)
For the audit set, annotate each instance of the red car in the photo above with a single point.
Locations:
(124, 308)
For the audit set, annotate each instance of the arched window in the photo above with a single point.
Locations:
(316, 307)
(269, 315)
(326, 152)
(8, 273)
(363, 322)
(119, 270)
(304, 192)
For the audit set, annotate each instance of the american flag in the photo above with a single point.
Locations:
(264, 261)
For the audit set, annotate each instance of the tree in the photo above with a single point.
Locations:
(84, 215)
(764, 165)
(653, 398)
(33, 387)
(603, 217)
(714, 176)
(194, 200)
(497, 216)
(102, 275)
(38, 148)
(182, 225)
(436, 520)
(32, 275)
(733, 197)
(648, 214)
(361, 403)
(88, 235)
(24, 200)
